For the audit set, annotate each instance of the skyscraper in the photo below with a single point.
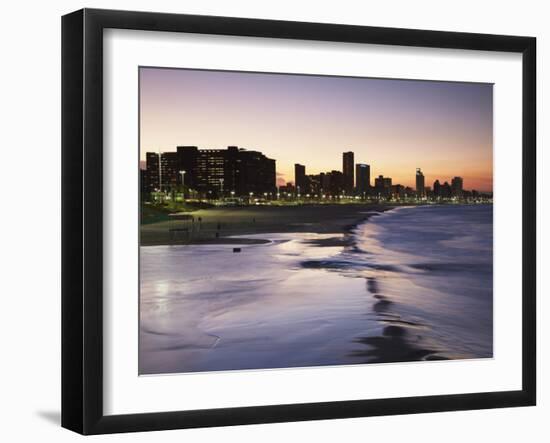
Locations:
(336, 180)
(300, 180)
(456, 187)
(446, 190)
(212, 172)
(162, 170)
(347, 170)
(437, 189)
(362, 178)
(420, 187)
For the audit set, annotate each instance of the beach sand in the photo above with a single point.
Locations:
(215, 225)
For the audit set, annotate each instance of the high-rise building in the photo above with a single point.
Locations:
(456, 187)
(152, 169)
(420, 187)
(347, 170)
(300, 179)
(162, 175)
(324, 178)
(254, 172)
(398, 191)
(382, 186)
(437, 189)
(144, 185)
(188, 160)
(336, 182)
(446, 190)
(212, 172)
(314, 184)
(362, 179)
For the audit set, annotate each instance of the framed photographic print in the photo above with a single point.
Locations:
(270, 221)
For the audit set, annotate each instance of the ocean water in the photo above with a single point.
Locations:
(409, 284)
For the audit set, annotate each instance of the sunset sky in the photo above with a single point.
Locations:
(394, 125)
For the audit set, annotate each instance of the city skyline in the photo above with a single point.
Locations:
(236, 172)
(395, 126)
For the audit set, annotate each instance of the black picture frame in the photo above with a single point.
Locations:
(82, 215)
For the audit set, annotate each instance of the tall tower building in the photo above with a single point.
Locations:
(300, 181)
(347, 169)
(437, 188)
(420, 186)
(162, 170)
(362, 178)
(456, 186)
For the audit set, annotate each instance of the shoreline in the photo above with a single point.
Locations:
(222, 226)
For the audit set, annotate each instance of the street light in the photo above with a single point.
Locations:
(182, 172)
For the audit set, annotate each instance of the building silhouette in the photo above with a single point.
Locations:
(445, 190)
(362, 178)
(398, 191)
(314, 184)
(151, 172)
(457, 187)
(347, 170)
(325, 183)
(420, 186)
(254, 172)
(336, 182)
(212, 172)
(324, 179)
(144, 185)
(237, 172)
(300, 179)
(287, 189)
(382, 186)
(162, 170)
(437, 189)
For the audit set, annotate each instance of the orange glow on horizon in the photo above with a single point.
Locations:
(395, 126)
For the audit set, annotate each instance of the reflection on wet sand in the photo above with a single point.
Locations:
(397, 343)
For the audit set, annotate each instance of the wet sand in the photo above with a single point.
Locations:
(371, 307)
(400, 341)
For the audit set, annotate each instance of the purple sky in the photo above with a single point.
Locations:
(394, 125)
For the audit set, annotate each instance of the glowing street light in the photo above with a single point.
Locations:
(182, 172)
